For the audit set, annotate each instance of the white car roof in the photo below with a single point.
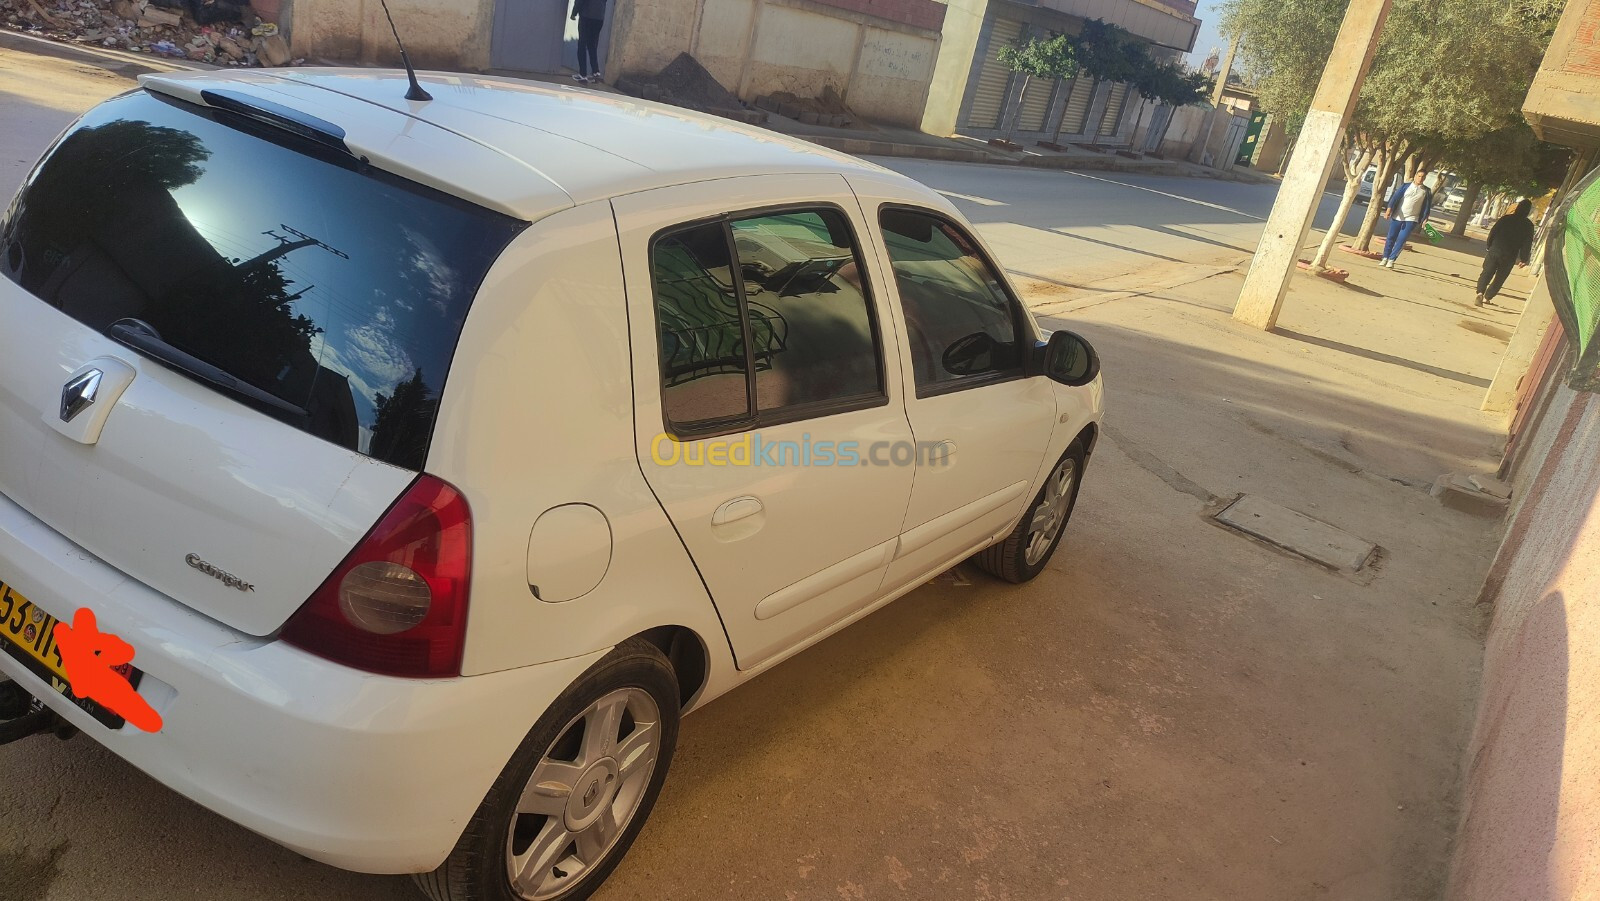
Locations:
(523, 148)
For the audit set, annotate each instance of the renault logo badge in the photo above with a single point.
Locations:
(78, 395)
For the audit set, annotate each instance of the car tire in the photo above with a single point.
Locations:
(570, 802)
(1024, 553)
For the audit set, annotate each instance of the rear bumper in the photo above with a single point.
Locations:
(368, 773)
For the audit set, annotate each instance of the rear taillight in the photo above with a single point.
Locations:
(397, 605)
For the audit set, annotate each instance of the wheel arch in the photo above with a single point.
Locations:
(1088, 436)
(687, 652)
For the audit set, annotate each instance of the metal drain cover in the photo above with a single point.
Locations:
(1298, 533)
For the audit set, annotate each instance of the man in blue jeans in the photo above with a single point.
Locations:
(1408, 209)
(591, 16)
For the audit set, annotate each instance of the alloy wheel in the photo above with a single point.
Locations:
(1051, 513)
(583, 793)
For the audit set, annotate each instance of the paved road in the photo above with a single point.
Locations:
(1082, 226)
(1130, 725)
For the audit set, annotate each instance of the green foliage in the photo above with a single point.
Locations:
(1111, 53)
(1172, 84)
(1107, 52)
(1510, 159)
(1052, 58)
(1447, 75)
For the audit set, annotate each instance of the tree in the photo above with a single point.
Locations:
(1053, 58)
(1169, 84)
(1508, 160)
(1107, 52)
(1446, 74)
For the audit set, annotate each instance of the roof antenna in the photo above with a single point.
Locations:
(416, 92)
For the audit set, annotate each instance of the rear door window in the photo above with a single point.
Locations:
(764, 319)
(289, 276)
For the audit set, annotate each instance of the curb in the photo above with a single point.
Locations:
(149, 63)
(864, 147)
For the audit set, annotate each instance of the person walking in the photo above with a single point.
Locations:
(1510, 242)
(591, 16)
(1408, 209)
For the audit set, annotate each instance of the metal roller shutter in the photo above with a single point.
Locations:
(1072, 120)
(1036, 105)
(994, 79)
(1114, 104)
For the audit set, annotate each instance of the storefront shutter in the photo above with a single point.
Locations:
(1072, 120)
(994, 79)
(1114, 104)
(1036, 104)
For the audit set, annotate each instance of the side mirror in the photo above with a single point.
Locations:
(1066, 358)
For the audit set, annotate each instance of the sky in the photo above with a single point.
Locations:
(1209, 17)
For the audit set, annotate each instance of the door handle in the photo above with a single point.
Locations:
(736, 509)
(941, 454)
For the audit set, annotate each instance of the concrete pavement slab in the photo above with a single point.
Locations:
(1298, 533)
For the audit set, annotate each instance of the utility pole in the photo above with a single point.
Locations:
(1197, 153)
(1314, 156)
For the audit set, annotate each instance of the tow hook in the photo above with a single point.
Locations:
(22, 715)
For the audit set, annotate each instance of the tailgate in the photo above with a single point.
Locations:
(224, 344)
(178, 470)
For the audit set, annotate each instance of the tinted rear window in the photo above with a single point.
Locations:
(335, 292)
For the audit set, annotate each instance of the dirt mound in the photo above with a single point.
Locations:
(686, 83)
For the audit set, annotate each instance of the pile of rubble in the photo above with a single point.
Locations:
(686, 83)
(829, 109)
(221, 32)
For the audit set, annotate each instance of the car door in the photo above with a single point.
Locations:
(981, 425)
(765, 381)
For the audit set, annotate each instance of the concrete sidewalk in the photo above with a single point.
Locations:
(876, 139)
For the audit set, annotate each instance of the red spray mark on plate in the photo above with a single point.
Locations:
(98, 664)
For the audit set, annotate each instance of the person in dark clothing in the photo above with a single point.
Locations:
(591, 16)
(1510, 242)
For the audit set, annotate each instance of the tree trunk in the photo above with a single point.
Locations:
(1067, 86)
(1144, 106)
(1380, 198)
(1369, 222)
(1288, 154)
(1016, 111)
(1352, 187)
(1468, 202)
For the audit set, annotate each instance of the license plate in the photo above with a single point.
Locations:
(29, 634)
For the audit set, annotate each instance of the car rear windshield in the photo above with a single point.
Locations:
(289, 276)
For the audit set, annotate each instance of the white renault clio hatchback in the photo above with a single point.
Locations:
(434, 457)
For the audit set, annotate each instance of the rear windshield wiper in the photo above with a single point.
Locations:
(140, 336)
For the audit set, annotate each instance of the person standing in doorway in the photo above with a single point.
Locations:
(1408, 209)
(591, 16)
(1510, 243)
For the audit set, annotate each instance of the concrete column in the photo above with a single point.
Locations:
(1536, 318)
(1315, 154)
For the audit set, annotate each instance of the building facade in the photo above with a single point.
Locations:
(975, 94)
(1530, 807)
(919, 63)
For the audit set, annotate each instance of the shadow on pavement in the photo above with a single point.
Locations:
(1383, 357)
